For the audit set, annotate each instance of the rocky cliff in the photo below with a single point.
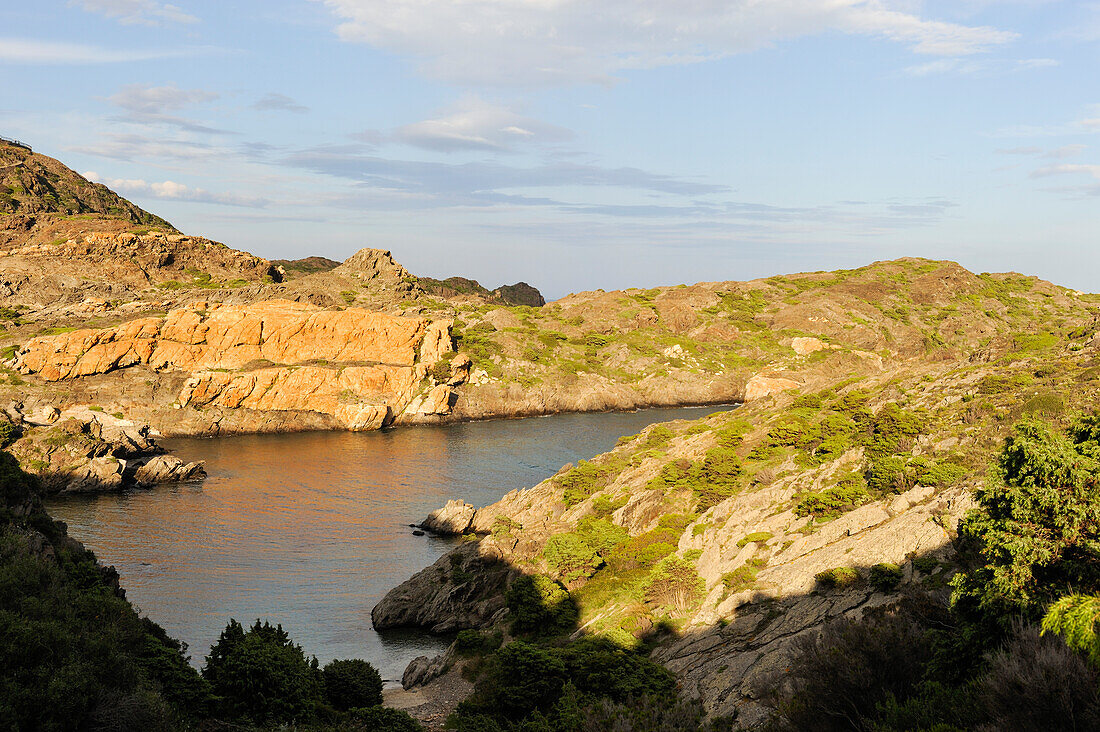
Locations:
(356, 368)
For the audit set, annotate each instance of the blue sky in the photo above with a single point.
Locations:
(578, 145)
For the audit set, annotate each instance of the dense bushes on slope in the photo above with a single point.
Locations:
(76, 654)
(983, 664)
(589, 684)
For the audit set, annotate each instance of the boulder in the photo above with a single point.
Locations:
(453, 519)
(168, 469)
(759, 386)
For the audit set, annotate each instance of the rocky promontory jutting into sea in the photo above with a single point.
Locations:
(702, 574)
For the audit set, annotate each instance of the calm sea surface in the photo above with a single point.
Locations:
(310, 530)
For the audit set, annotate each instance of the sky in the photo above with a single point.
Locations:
(578, 145)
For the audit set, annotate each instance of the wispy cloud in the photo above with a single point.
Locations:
(1057, 153)
(976, 67)
(150, 104)
(146, 148)
(474, 124)
(173, 191)
(482, 183)
(137, 12)
(568, 41)
(1087, 124)
(273, 102)
(30, 51)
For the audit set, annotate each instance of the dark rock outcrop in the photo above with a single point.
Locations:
(520, 293)
(464, 589)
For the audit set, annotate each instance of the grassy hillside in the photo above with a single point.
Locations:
(31, 183)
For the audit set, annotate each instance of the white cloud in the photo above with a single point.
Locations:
(1057, 153)
(1067, 169)
(29, 51)
(147, 100)
(172, 191)
(972, 66)
(273, 102)
(473, 124)
(137, 12)
(564, 41)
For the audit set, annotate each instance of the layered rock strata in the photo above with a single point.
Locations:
(358, 367)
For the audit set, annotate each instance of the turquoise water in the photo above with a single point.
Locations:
(310, 530)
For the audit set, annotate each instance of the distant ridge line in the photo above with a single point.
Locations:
(17, 143)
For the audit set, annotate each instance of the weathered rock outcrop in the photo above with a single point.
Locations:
(520, 293)
(208, 336)
(464, 589)
(168, 469)
(359, 367)
(80, 450)
(453, 519)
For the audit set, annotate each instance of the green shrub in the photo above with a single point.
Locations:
(1075, 617)
(793, 431)
(839, 577)
(832, 502)
(603, 505)
(926, 564)
(722, 466)
(943, 474)
(384, 719)
(262, 676)
(1037, 523)
(756, 536)
(744, 577)
(891, 427)
(675, 585)
(602, 535)
(8, 433)
(352, 683)
(525, 687)
(539, 605)
(571, 557)
(658, 436)
(885, 576)
(588, 477)
(887, 474)
(471, 642)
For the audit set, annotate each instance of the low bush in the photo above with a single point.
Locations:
(383, 719)
(1036, 683)
(839, 577)
(756, 536)
(472, 642)
(527, 687)
(885, 576)
(571, 557)
(539, 605)
(838, 678)
(352, 683)
(675, 586)
(588, 477)
(832, 502)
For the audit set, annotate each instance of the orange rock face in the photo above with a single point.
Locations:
(359, 366)
(228, 337)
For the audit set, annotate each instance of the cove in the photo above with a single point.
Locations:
(310, 530)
